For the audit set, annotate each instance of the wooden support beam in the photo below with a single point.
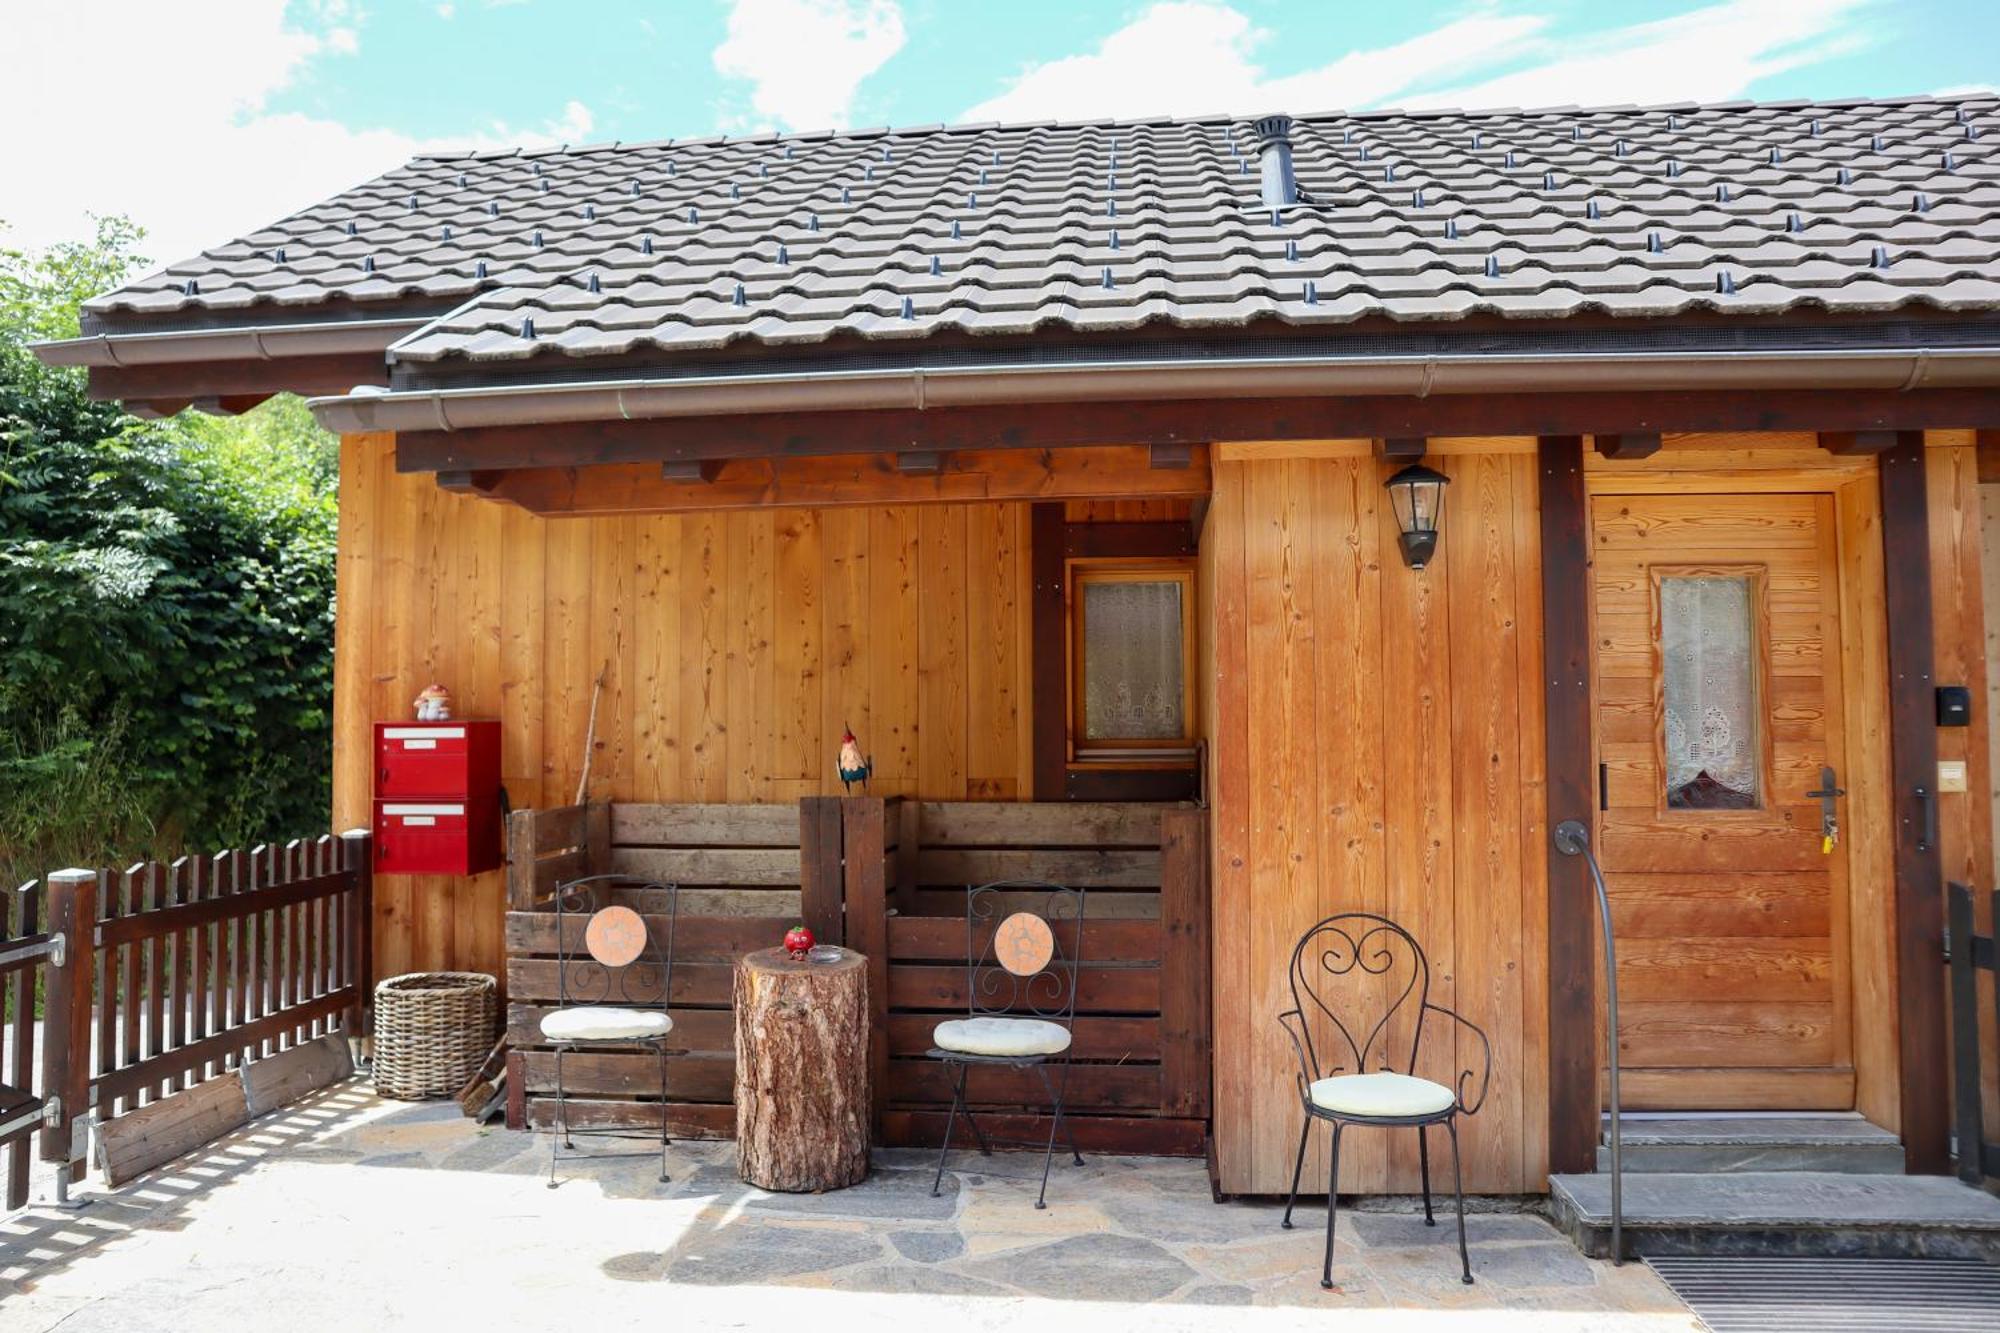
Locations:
(1988, 445)
(690, 469)
(1048, 634)
(1171, 455)
(1402, 448)
(1852, 443)
(1103, 472)
(181, 381)
(1195, 421)
(467, 482)
(1628, 446)
(1918, 864)
(1572, 922)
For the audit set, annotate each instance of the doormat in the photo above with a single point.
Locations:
(1742, 1295)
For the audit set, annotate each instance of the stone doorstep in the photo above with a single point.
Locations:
(1781, 1213)
(1755, 1143)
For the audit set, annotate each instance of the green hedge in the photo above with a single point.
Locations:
(166, 603)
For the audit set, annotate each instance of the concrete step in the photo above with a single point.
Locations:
(1755, 1143)
(1827, 1213)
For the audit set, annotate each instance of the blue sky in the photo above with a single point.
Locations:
(206, 118)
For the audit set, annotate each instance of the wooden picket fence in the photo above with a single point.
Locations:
(168, 975)
(886, 877)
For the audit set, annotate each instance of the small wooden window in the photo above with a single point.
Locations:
(1131, 661)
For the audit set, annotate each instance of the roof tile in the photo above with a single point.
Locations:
(1022, 222)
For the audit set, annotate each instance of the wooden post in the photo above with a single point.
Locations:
(521, 854)
(597, 838)
(863, 848)
(1574, 1113)
(1919, 867)
(358, 847)
(1184, 995)
(1964, 939)
(820, 889)
(66, 1012)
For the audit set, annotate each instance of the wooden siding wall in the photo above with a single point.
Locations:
(1377, 746)
(707, 622)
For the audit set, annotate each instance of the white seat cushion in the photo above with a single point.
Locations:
(1381, 1095)
(602, 1023)
(995, 1035)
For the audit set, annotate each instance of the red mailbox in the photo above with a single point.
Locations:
(437, 797)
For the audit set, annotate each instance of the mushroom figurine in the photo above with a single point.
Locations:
(434, 704)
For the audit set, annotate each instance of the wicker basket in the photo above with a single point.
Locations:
(432, 1030)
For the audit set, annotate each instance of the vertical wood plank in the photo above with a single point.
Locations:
(797, 649)
(845, 627)
(894, 611)
(821, 888)
(1237, 1100)
(992, 659)
(704, 682)
(1528, 694)
(863, 842)
(1417, 654)
(1566, 761)
(752, 696)
(1184, 989)
(1047, 633)
(942, 653)
(1926, 1113)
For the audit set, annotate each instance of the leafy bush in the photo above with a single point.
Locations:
(166, 603)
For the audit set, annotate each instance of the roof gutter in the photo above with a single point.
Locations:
(919, 388)
(267, 342)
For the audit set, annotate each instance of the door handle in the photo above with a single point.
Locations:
(1927, 837)
(1829, 814)
(1603, 786)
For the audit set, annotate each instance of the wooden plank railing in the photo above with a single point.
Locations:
(1968, 954)
(171, 975)
(886, 877)
(27, 952)
(741, 870)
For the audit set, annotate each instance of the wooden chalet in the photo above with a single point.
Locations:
(1052, 461)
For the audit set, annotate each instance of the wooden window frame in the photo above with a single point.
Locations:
(1127, 752)
(1054, 543)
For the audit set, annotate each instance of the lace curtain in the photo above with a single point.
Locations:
(1708, 652)
(1132, 665)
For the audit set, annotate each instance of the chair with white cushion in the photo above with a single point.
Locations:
(1372, 1080)
(614, 979)
(1020, 984)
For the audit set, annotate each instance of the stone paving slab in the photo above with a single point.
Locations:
(350, 1213)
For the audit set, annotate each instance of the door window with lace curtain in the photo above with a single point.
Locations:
(1710, 687)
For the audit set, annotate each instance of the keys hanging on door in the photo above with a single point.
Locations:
(1829, 813)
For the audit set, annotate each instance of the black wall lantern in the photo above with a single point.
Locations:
(1417, 492)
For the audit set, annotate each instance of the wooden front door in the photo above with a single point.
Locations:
(1719, 701)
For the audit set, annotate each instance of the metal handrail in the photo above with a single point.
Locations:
(1572, 838)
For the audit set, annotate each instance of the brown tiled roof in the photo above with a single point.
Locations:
(635, 248)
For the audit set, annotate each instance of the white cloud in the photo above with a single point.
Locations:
(804, 59)
(166, 119)
(1195, 56)
(1186, 58)
(1705, 55)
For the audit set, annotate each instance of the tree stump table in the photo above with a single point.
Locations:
(802, 1109)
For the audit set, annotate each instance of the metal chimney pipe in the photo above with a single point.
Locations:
(1274, 151)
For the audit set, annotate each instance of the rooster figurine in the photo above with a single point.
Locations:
(851, 766)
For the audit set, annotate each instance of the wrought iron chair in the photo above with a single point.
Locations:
(1020, 984)
(1342, 1092)
(613, 994)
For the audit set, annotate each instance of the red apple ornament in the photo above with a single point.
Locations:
(798, 943)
